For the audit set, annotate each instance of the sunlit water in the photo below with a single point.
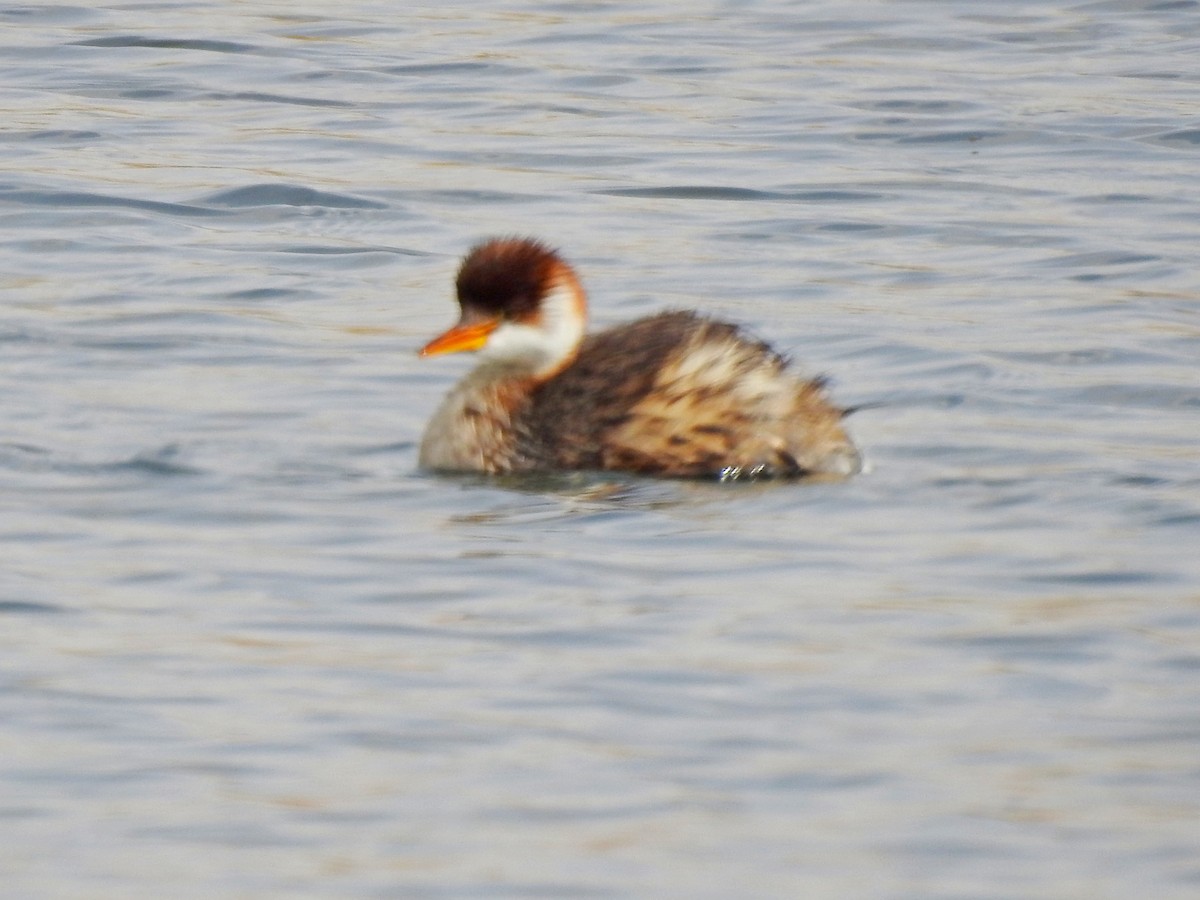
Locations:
(249, 650)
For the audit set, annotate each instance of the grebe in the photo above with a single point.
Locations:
(674, 394)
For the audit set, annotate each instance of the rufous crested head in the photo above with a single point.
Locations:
(508, 277)
(521, 304)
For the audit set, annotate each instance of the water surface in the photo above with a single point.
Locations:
(250, 650)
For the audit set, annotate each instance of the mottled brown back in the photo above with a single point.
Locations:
(677, 394)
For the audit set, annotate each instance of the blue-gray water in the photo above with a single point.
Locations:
(248, 650)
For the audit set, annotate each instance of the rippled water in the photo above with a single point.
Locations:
(249, 650)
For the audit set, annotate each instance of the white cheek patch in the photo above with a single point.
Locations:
(540, 346)
(562, 320)
(515, 344)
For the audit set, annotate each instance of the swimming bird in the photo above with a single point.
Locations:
(673, 394)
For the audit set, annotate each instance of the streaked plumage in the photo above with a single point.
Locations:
(674, 394)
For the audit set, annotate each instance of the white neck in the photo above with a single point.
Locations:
(541, 347)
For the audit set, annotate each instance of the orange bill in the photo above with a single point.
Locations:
(462, 337)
